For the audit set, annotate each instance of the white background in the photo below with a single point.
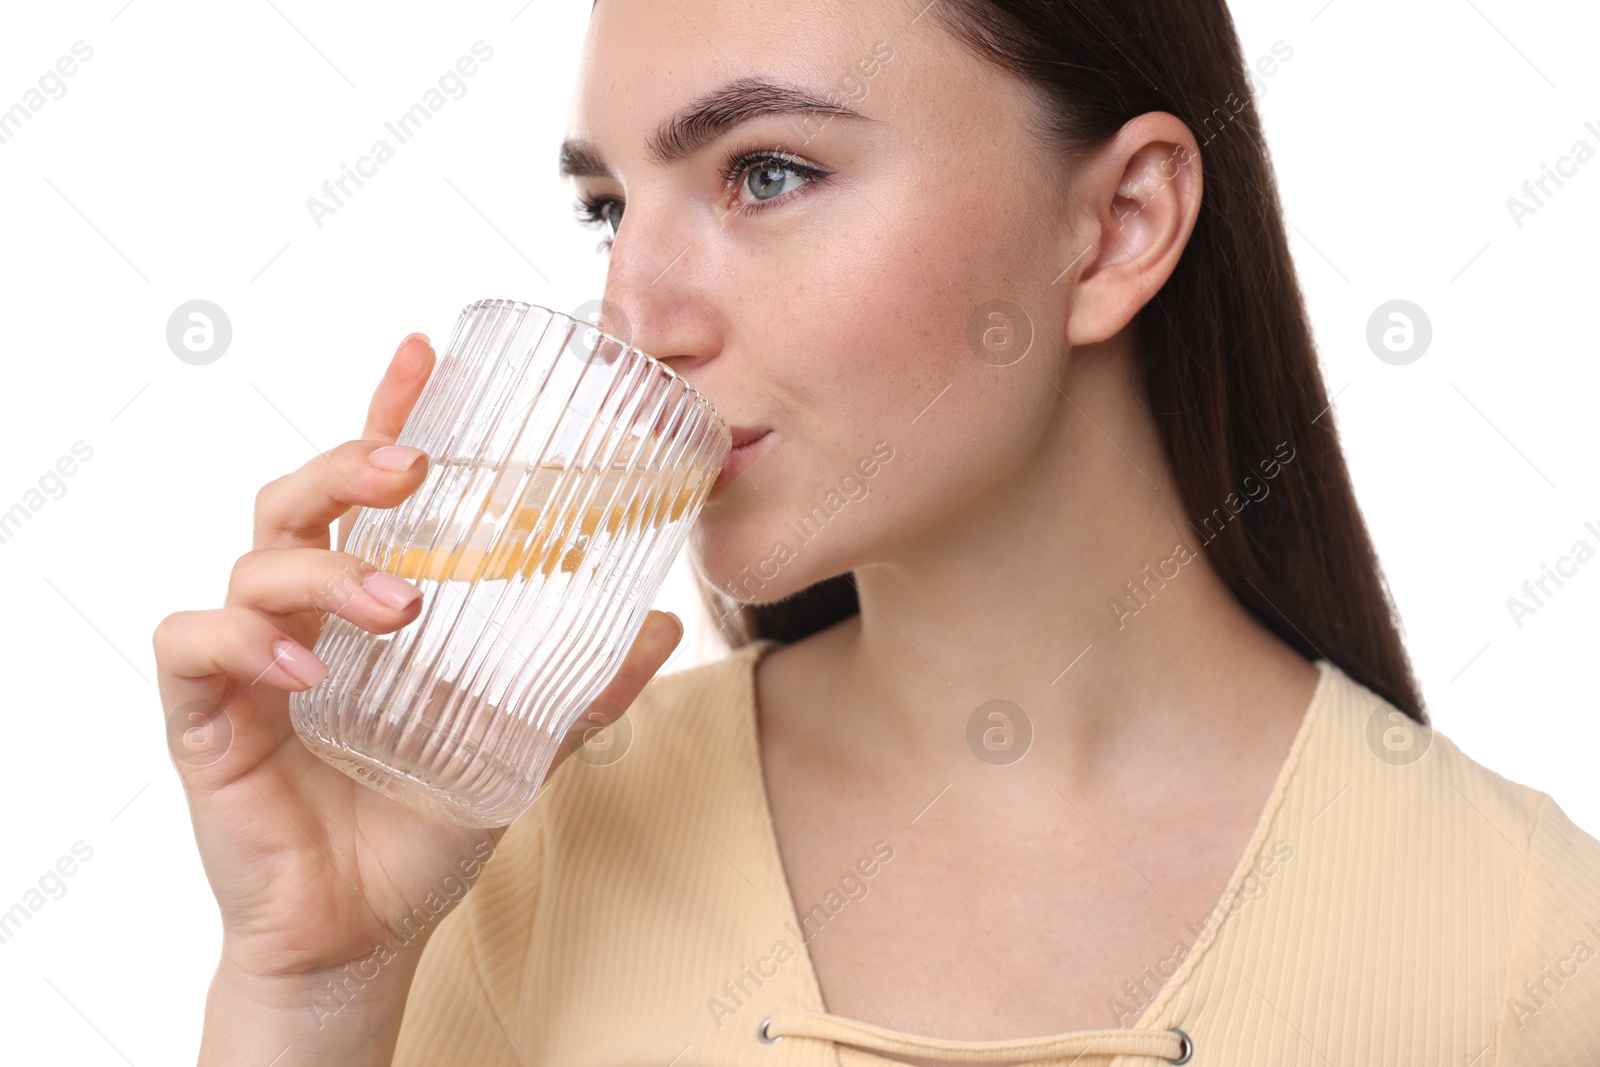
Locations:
(177, 166)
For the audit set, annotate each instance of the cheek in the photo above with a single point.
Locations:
(953, 368)
(865, 342)
(921, 308)
(868, 340)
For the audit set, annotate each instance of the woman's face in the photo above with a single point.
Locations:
(846, 300)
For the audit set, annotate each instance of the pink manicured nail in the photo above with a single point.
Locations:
(298, 661)
(395, 457)
(391, 591)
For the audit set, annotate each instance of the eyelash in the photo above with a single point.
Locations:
(738, 163)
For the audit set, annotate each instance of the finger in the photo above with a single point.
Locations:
(294, 511)
(195, 647)
(651, 648)
(402, 383)
(212, 655)
(399, 388)
(283, 581)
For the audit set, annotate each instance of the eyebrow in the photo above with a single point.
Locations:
(704, 120)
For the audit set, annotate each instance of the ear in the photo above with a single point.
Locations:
(1140, 196)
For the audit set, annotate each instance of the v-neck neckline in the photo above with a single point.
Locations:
(754, 651)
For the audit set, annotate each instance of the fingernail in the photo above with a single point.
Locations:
(389, 590)
(679, 623)
(298, 661)
(395, 457)
(407, 339)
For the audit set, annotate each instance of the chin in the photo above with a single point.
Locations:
(754, 568)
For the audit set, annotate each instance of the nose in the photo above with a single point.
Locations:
(661, 294)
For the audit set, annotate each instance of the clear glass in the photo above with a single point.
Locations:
(565, 470)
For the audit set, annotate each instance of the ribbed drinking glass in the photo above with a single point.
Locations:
(565, 468)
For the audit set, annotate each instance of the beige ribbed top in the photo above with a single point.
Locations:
(1397, 904)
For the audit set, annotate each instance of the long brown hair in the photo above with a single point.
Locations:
(1224, 348)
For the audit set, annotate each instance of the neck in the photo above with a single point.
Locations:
(1078, 592)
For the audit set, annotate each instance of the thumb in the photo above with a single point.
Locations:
(657, 638)
(403, 380)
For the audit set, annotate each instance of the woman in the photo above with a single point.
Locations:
(1067, 719)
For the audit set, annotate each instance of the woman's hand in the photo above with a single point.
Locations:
(312, 870)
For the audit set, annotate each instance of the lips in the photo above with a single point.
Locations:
(748, 444)
(744, 435)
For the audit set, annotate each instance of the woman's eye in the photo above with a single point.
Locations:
(765, 177)
(767, 180)
(604, 213)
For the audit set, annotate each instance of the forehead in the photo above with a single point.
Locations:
(786, 36)
(644, 58)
